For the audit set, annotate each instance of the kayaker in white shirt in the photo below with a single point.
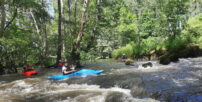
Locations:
(66, 69)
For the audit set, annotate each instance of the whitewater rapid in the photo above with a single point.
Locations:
(181, 81)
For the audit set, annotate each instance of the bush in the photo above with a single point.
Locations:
(49, 62)
(177, 44)
(134, 49)
(137, 49)
(149, 44)
(199, 41)
(16, 48)
(129, 61)
(165, 59)
(128, 50)
(195, 25)
(194, 29)
(16, 51)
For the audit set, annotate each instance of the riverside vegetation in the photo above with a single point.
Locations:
(43, 32)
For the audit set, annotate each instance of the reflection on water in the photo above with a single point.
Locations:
(180, 81)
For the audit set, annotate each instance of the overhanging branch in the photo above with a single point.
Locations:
(10, 22)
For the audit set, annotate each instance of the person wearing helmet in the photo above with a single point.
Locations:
(124, 57)
(66, 69)
(27, 67)
(59, 64)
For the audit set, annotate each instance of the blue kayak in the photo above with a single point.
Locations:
(82, 72)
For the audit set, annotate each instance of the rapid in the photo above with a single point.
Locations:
(176, 82)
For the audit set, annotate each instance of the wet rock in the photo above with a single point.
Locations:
(152, 55)
(139, 92)
(165, 59)
(174, 57)
(129, 61)
(156, 95)
(148, 64)
(161, 52)
(114, 97)
(191, 50)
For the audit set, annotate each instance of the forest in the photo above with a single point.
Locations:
(44, 32)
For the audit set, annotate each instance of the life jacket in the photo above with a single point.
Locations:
(60, 64)
(27, 67)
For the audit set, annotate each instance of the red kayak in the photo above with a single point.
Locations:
(29, 73)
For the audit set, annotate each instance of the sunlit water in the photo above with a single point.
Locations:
(176, 82)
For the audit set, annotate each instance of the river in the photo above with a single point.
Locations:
(176, 82)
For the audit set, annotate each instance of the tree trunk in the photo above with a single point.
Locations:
(2, 69)
(90, 43)
(59, 52)
(62, 28)
(35, 23)
(69, 11)
(3, 18)
(69, 20)
(44, 41)
(75, 57)
(137, 15)
(75, 11)
(69, 17)
(13, 18)
(97, 17)
(83, 21)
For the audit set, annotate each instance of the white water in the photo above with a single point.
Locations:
(37, 90)
(119, 83)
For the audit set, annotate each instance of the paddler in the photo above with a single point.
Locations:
(66, 69)
(27, 67)
(59, 64)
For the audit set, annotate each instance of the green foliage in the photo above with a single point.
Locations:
(150, 44)
(194, 29)
(49, 62)
(20, 43)
(147, 23)
(127, 27)
(177, 44)
(134, 49)
(17, 49)
(195, 25)
(199, 41)
(88, 56)
(174, 11)
(117, 27)
(128, 50)
(137, 49)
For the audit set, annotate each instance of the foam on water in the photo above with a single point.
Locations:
(62, 92)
